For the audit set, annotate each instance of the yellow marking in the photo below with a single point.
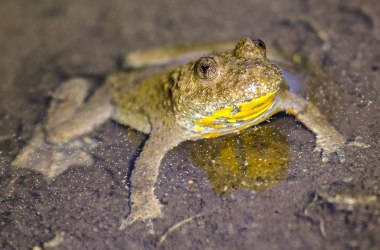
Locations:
(209, 120)
(247, 111)
(197, 128)
(212, 135)
(254, 108)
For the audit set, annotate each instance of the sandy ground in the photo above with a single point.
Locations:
(315, 206)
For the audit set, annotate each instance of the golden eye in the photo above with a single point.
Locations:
(206, 68)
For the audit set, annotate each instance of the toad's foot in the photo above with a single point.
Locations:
(51, 160)
(145, 207)
(335, 143)
(330, 144)
(58, 143)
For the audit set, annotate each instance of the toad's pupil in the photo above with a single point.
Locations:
(205, 68)
(261, 43)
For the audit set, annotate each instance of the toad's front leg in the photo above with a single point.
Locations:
(329, 140)
(144, 204)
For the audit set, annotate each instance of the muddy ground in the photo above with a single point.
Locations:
(315, 206)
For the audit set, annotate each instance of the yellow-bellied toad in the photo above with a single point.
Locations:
(222, 92)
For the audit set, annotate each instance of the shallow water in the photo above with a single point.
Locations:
(256, 159)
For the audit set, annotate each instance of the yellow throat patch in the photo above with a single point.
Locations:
(244, 111)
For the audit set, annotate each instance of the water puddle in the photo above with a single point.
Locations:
(256, 159)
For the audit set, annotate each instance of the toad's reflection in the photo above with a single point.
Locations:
(256, 159)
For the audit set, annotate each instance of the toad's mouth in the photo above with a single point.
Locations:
(236, 116)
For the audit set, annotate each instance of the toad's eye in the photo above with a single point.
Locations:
(206, 68)
(261, 44)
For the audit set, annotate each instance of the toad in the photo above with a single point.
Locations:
(222, 92)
